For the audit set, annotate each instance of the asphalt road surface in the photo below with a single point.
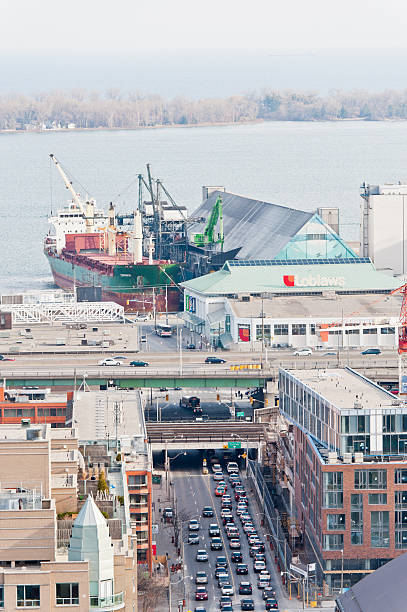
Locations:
(193, 491)
(171, 411)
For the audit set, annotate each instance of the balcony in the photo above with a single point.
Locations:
(111, 602)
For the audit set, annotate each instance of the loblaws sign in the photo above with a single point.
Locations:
(313, 281)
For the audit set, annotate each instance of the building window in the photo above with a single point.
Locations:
(400, 500)
(281, 329)
(377, 498)
(335, 522)
(388, 330)
(370, 330)
(259, 332)
(379, 528)
(299, 329)
(1, 596)
(28, 596)
(333, 542)
(333, 490)
(370, 479)
(356, 519)
(351, 332)
(67, 593)
(312, 329)
(389, 423)
(227, 323)
(137, 480)
(400, 476)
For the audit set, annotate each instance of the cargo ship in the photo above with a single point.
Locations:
(86, 249)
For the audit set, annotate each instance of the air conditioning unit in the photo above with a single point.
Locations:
(358, 457)
(347, 457)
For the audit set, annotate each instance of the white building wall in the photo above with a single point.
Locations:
(387, 229)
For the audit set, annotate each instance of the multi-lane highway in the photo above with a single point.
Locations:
(194, 491)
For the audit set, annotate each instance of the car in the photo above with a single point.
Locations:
(245, 588)
(191, 346)
(263, 581)
(214, 360)
(241, 510)
(143, 338)
(214, 530)
(201, 594)
(138, 364)
(227, 589)
(227, 517)
(221, 561)
(223, 579)
(201, 555)
(216, 544)
(259, 566)
(109, 361)
(221, 571)
(232, 533)
(246, 604)
(193, 525)
(371, 351)
(224, 601)
(193, 538)
(236, 557)
(222, 483)
(254, 550)
(199, 609)
(177, 388)
(201, 578)
(217, 476)
(216, 467)
(234, 543)
(232, 467)
(142, 317)
(271, 604)
(329, 354)
(304, 352)
(120, 357)
(168, 513)
(268, 592)
(219, 491)
(227, 608)
(253, 539)
(207, 511)
(163, 389)
(3, 358)
(260, 557)
(242, 569)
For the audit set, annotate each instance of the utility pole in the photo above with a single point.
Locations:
(180, 352)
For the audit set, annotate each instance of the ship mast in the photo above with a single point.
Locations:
(76, 198)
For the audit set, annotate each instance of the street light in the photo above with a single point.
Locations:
(342, 571)
(171, 584)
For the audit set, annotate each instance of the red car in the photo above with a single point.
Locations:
(201, 594)
(219, 491)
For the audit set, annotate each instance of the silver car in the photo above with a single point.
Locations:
(201, 555)
(201, 578)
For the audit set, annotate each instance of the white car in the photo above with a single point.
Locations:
(305, 352)
(232, 467)
(109, 361)
(227, 589)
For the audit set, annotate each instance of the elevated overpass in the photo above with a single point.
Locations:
(209, 435)
(68, 376)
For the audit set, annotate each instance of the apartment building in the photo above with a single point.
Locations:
(348, 471)
(35, 406)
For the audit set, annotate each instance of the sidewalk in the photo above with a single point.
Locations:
(165, 540)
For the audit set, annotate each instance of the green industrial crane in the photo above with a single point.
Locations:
(209, 237)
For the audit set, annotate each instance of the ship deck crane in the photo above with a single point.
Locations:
(87, 214)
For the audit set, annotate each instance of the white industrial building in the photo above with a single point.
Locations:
(250, 304)
(384, 226)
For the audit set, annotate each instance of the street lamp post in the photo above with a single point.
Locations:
(342, 570)
(180, 352)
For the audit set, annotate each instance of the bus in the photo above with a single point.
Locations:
(164, 330)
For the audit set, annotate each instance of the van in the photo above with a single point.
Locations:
(232, 467)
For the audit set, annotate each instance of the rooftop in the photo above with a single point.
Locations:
(331, 307)
(291, 277)
(345, 388)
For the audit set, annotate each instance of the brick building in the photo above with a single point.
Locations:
(349, 493)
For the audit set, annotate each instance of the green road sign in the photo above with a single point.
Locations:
(234, 445)
(240, 414)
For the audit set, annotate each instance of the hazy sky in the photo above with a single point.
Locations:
(115, 26)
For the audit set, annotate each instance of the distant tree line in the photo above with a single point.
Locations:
(114, 109)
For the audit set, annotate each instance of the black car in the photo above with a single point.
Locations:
(214, 360)
(241, 568)
(269, 593)
(191, 346)
(207, 511)
(271, 604)
(245, 588)
(236, 557)
(246, 604)
(216, 544)
(219, 571)
(221, 561)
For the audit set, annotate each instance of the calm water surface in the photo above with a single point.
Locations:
(304, 165)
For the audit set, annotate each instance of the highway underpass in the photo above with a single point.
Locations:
(213, 435)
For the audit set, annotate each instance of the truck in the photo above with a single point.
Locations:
(194, 403)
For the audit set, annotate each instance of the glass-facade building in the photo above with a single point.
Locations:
(350, 482)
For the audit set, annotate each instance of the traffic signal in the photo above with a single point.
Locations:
(225, 446)
(217, 397)
(167, 397)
